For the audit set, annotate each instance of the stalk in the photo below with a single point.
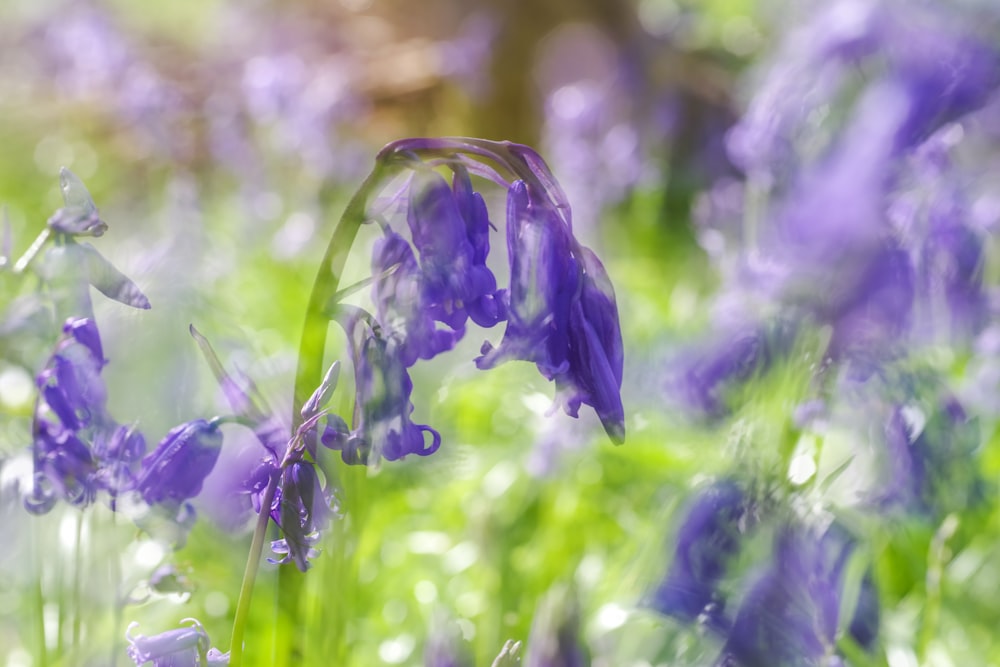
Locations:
(309, 374)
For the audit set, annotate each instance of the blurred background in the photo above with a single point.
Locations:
(221, 141)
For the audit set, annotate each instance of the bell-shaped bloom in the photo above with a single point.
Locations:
(401, 304)
(708, 538)
(72, 428)
(303, 508)
(452, 277)
(483, 302)
(562, 314)
(72, 387)
(176, 469)
(382, 428)
(791, 614)
(64, 468)
(182, 647)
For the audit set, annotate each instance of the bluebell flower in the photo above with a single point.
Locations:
(382, 427)
(64, 463)
(934, 60)
(708, 538)
(709, 373)
(78, 449)
(401, 304)
(929, 458)
(174, 471)
(183, 647)
(562, 314)
(791, 614)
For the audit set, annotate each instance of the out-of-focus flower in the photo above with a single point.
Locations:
(445, 648)
(791, 614)
(78, 449)
(707, 539)
(562, 314)
(174, 471)
(183, 647)
(555, 633)
(927, 457)
(933, 59)
(708, 374)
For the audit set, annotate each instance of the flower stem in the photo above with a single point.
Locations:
(308, 375)
(250, 573)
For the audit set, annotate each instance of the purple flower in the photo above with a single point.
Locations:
(929, 458)
(71, 386)
(78, 448)
(176, 469)
(62, 462)
(790, 614)
(303, 508)
(934, 61)
(182, 647)
(708, 375)
(382, 426)
(708, 538)
(400, 301)
(562, 313)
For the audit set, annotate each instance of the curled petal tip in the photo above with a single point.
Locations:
(615, 431)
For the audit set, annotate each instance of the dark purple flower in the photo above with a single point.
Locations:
(182, 647)
(176, 469)
(562, 314)
(303, 508)
(451, 275)
(72, 388)
(64, 468)
(382, 426)
(714, 523)
(401, 303)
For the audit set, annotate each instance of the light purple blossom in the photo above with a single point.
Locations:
(182, 647)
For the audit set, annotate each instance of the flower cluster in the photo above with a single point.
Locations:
(559, 307)
(859, 241)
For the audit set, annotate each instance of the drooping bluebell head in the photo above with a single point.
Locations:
(562, 313)
(560, 306)
(708, 538)
(182, 647)
(174, 471)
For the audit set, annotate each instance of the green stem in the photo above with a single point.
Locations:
(312, 344)
(309, 373)
(43, 657)
(250, 573)
(77, 579)
(33, 250)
